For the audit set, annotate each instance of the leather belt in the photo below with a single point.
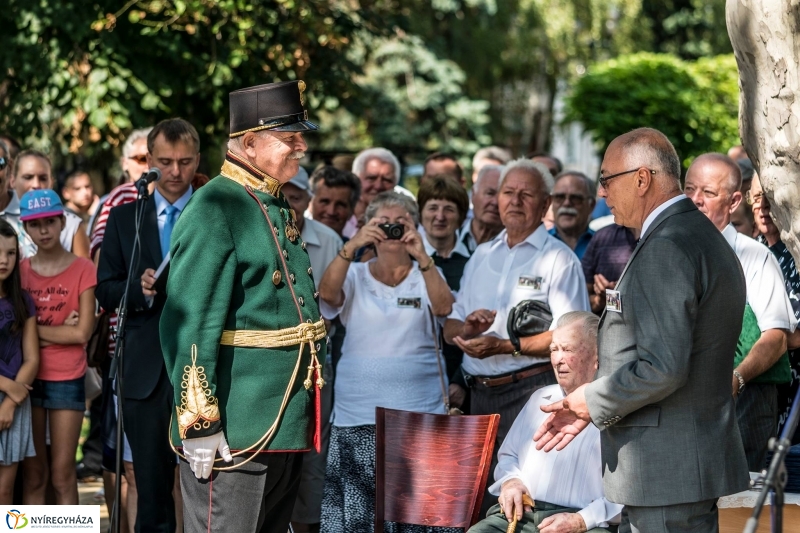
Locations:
(513, 377)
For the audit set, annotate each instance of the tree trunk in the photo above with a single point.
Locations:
(765, 35)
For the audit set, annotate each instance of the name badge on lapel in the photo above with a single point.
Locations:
(613, 301)
(410, 303)
(530, 282)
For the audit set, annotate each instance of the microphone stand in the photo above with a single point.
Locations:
(119, 352)
(775, 476)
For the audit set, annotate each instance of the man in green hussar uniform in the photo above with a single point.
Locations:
(241, 331)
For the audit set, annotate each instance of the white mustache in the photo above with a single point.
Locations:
(567, 211)
(297, 155)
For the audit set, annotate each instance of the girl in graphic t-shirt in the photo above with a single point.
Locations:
(19, 362)
(62, 288)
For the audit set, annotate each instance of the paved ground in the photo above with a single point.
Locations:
(89, 495)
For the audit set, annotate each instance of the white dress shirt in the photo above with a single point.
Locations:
(466, 237)
(572, 477)
(460, 248)
(658, 210)
(498, 277)
(322, 245)
(766, 293)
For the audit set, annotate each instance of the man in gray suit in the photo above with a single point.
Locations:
(662, 394)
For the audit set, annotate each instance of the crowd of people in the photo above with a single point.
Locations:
(416, 291)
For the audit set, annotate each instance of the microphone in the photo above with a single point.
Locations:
(147, 178)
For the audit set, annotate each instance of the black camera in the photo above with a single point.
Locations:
(393, 231)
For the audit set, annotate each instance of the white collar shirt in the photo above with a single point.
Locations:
(572, 477)
(466, 236)
(498, 277)
(431, 251)
(322, 245)
(658, 210)
(766, 292)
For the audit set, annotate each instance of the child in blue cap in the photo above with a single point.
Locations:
(62, 287)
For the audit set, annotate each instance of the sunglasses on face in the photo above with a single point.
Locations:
(3, 163)
(560, 198)
(141, 159)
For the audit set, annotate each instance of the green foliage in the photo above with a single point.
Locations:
(80, 75)
(417, 100)
(694, 104)
(687, 28)
(417, 75)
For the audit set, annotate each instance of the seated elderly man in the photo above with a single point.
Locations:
(567, 488)
(522, 263)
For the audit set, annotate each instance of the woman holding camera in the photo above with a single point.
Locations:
(389, 356)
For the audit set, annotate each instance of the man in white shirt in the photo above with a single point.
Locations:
(713, 183)
(322, 244)
(522, 263)
(484, 223)
(566, 486)
(379, 171)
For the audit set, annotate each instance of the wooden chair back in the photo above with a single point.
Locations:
(431, 470)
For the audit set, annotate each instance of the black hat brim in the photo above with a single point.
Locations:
(303, 125)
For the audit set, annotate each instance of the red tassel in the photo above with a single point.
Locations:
(317, 413)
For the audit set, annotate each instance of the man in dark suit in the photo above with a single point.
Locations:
(173, 147)
(662, 394)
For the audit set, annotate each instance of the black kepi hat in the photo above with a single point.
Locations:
(273, 106)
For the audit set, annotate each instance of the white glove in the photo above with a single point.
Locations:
(200, 453)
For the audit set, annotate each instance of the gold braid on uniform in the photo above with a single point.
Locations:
(199, 409)
(305, 334)
(236, 169)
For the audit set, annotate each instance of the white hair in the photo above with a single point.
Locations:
(392, 199)
(531, 167)
(141, 133)
(589, 323)
(482, 173)
(381, 154)
(491, 152)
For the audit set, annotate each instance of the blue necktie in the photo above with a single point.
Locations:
(172, 215)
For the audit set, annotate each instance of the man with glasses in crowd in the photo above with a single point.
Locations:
(573, 201)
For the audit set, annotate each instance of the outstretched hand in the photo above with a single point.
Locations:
(568, 417)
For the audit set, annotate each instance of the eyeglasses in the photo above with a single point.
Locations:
(3, 163)
(754, 199)
(560, 198)
(141, 159)
(604, 180)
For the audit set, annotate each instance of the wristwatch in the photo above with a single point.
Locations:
(741, 381)
(517, 348)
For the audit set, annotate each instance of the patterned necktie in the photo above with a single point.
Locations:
(172, 215)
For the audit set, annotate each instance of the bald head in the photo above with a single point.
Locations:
(712, 183)
(726, 168)
(640, 171)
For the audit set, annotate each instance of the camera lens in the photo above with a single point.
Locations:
(396, 232)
